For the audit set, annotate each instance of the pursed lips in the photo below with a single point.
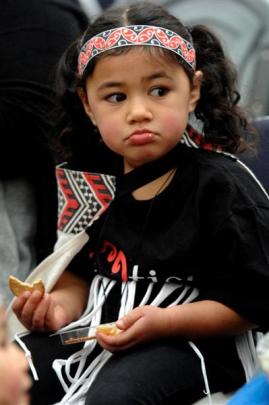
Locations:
(141, 131)
(141, 137)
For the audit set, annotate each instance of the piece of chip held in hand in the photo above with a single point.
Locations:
(108, 329)
(18, 287)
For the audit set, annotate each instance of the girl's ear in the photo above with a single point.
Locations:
(195, 90)
(84, 99)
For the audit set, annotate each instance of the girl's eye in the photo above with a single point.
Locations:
(116, 97)
(159, 91)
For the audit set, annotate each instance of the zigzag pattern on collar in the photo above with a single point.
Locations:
(82, 198)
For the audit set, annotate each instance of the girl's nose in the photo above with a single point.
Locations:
(138, 111)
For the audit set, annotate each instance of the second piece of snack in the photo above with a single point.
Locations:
(81, 335)
(108, 329)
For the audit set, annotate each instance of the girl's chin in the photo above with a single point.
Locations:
(133, 161)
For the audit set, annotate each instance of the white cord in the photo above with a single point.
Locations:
(28, 354)
(199, 354)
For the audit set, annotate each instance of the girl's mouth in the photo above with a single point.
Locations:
(141, 138)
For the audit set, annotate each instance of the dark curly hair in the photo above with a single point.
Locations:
(217, 108)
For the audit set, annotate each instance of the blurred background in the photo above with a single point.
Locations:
(243, 28)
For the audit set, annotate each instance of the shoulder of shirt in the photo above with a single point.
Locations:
(203, 151)
(223, 168)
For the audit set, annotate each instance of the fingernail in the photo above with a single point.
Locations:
(120, 323)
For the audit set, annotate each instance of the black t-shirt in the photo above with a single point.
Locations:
(205, 237)
(209, 229)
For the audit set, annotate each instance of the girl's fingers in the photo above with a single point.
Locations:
(129, 319)
(29, 308)
(115, 346)
(122, 341)
(19, 303)
(40, 314)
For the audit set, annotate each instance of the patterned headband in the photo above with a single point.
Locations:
(136, 35)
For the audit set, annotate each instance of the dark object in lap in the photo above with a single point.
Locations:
(45, 349)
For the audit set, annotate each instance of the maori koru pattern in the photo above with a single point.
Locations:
(82, 197)
(136, 35)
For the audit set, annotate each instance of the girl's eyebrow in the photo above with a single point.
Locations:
(157, 75)
(106, 85)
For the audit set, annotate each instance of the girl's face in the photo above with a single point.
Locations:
(140, 104)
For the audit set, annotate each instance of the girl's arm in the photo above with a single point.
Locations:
(190, 321)
(64, 304)
(205, 318)
(71, 292)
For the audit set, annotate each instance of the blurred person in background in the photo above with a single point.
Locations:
(95, 7)
(14, 379)
(33, 35)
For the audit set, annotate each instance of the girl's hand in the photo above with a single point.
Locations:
(14, 379)
(39, 313)
(141, 325)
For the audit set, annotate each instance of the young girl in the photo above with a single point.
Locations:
(189, 224)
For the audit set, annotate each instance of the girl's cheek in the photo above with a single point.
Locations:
(110, 132)
(175, 123)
